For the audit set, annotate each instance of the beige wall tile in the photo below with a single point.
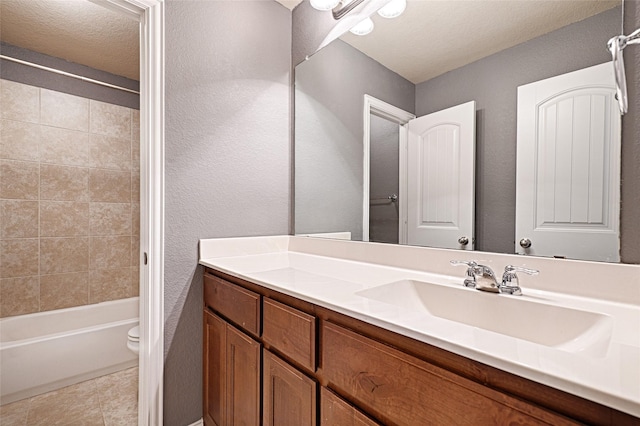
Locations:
(19, 180)
(19, 258)
(19, 140)
(110, 186)
(19, 296)
(110, 219)
(64, 290)
(63, 146)
(135, 219)
(64, 183)
(19, 101)
(64, 219)
(18, 219)
(109, 284)
(135, 187)
(110, 252)
(135, 282)
(14, 414)
(135, 139)
(109, 152)
(59, 255)
(74, 405)
(135, 251)
(63, 110)
(108, 119)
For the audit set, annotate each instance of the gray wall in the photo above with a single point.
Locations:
(40, 78)
(227, 159)
(330, 89)
(630, 192)
(492, 82)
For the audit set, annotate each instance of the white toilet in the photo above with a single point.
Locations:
(133, 339)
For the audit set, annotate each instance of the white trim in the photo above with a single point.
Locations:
(402, 117)
(150, 13)
(198, 423)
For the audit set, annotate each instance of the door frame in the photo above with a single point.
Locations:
(150, 14)
(401, 117)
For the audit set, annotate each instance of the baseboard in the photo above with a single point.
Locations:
(198, 423)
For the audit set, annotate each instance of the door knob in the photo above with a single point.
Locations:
(525, 243)
(463, 241)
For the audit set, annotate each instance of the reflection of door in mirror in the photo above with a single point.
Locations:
(384, 180)
(568, 164)
(441, 178)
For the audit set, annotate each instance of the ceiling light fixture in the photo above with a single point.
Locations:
(363, 28)
(393, 9)
(324, 4)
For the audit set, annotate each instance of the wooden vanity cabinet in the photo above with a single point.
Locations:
(289, 396)
(231, 382)
(320, 367)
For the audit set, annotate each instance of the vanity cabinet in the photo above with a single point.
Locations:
(231, 382)
(320, 367)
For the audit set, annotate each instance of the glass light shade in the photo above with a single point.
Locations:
(363, 28)
(393, 9)
(324, 4)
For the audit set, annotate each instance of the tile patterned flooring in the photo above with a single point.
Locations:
(110, 400)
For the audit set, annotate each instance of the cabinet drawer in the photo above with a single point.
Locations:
(290, 331)
(237, 304)
(336, 411)
(400, 389)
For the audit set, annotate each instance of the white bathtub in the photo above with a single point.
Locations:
(48, 350)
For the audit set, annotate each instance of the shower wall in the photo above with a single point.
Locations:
(69, 200)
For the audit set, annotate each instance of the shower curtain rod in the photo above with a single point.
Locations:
(68, 74)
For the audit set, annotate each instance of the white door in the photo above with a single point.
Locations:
(441, 178)
(568, 166)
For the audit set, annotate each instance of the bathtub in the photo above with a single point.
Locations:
(48, 350)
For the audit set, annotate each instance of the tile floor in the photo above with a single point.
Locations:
(110, 400)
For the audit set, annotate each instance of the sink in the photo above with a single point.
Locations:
(564, 328)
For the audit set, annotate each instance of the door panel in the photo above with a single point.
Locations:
(567, 185)
(441, 178)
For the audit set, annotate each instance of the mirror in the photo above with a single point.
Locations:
(478, 51)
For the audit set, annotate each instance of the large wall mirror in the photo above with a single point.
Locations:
(436, 56)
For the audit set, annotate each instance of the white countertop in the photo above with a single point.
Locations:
(337, 274)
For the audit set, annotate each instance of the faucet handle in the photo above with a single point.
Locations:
(472, 270)
(510, 283)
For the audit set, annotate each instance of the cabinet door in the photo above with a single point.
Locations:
(214, 365)
(336, 411)
(243, 378)
(289, 395)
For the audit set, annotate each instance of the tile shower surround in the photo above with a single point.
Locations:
(69, 200)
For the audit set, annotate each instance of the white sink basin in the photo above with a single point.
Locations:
(515, 316)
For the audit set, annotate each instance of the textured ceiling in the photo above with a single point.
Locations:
(434, 36)
(75, 30)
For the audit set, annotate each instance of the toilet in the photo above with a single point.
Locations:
(133, 339)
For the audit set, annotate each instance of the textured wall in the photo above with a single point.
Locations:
(630, 193)
(330, 89)
(492, 82)
(48, 80)
(69, 200)
(227, 158)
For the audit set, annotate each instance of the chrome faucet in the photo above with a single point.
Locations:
(480, 277)
(510, 283)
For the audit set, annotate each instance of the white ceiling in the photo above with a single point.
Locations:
(433, 36)
(450, 33)
(454, 33)
(75, 30)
